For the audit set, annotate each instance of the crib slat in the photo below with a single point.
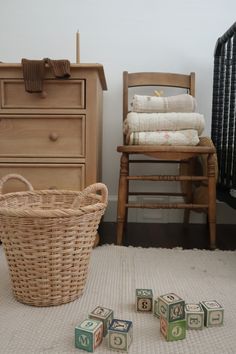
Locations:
(224, 107)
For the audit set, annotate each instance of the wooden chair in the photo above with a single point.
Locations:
(132, 154)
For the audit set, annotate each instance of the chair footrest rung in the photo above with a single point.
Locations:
(166, 206)
(160, 194)
(167, 178)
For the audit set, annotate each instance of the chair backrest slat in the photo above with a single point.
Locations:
(142, 79)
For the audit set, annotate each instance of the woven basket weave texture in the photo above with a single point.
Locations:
(48, 238)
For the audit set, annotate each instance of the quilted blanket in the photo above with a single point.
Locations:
(177, 138)
(177, 103)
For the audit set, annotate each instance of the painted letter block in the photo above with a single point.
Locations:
(173, 330)
(194, 316)
(144, 300)
(88, 335)
(171, 306)
(102, 314)
(214, 313)
(120, 335)
(156, 308)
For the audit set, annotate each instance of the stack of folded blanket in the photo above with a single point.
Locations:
(163, 121)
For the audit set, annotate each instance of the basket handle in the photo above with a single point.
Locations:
(4, 179)
(93, 189)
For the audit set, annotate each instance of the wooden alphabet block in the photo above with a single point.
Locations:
(214, 313)
(173, 330)
(88, 335)
(171, 306)
(156, 308)
(194, 316)
(120, 335)
(102, 314)
(144, 300)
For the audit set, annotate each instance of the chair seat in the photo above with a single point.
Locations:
(167, 152)
(167, 148)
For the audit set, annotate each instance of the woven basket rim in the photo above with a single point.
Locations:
(41, 192)
(49, 213)
(53, 213)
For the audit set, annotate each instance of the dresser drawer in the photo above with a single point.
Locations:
(45, 176)
(39, 136)
(60, 94)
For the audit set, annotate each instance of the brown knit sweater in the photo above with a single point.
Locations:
(34, 71)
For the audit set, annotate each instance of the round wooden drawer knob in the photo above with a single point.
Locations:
(53, 136)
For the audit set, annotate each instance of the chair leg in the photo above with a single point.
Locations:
(189, 191)
(122, 198)
(189, 199)
(212, 231)
(186, 216)
(212, 201)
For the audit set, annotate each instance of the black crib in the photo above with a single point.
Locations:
(223, 127)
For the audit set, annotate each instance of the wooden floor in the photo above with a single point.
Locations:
(170, 235)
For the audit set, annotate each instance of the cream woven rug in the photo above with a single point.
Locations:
(115, 273)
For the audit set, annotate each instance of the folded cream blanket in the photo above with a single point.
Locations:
(180, 137)
(144, 122)
(177, 103)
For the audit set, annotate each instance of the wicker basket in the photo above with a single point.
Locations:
(48, 237)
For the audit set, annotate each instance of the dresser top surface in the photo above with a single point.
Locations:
(81, 66)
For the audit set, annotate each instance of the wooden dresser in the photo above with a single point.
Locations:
(53, 141)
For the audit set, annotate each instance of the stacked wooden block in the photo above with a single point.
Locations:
(172, 316)
(175, 318)
(100, 322)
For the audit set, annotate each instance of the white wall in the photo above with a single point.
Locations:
(133, 35)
